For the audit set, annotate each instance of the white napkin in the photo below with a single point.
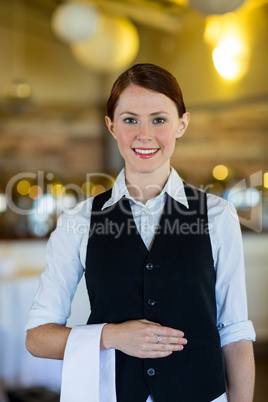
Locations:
(88, 374)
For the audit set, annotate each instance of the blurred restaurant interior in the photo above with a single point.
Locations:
(58, 61)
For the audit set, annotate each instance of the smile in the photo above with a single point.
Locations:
(143, 151)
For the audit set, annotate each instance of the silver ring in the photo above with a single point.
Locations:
(158, 339)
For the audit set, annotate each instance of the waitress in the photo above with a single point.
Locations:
(164, 269)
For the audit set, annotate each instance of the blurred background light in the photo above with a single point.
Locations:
(3, 203)
(73, 22)
(265, 180)
(220, 172)
(38, 226)
(213, 29)
(229, 58)
(86, 188)
(97, 189)
(227, 34)
(113, 47)
(58, 190)
(17, 90)
(243, 198)
(46, 205)
(23, 187)
(65, 202)
(35, 192)
(215, 6)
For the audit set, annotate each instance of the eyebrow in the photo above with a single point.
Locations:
(151, 114)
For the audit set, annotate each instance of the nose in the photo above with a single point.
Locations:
(144, 133)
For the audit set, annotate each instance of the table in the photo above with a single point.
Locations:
(17, 366)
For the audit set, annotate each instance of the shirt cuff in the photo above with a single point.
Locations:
(238, 331)
(36, 318)
(82, 364)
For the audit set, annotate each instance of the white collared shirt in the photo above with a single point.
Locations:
(67, 247)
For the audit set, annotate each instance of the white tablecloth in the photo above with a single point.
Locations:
(17, 366)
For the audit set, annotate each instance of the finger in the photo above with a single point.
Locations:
(170, 340)
(158, 339)
(164, 348)
(165, 331)
(166, 344)
(157, 354)
(150, 322)
(169, 332)
(169, 348)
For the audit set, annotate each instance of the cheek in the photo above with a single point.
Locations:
(123, 140)
(167, 139)
(125, 135)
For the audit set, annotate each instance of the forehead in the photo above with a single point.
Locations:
(138, 99)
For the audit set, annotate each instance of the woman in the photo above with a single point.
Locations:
(167, 292)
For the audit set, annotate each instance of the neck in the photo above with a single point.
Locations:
(145, 186)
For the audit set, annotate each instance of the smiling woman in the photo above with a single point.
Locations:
(146, 115)
(146, 125)
(164, 269)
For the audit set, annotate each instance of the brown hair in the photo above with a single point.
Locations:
(148, 76)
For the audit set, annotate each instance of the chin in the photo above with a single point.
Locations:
(147, 169)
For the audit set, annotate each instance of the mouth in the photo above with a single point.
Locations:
(145, 152)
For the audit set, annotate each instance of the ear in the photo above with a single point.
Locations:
(183, 124)
(110, 125)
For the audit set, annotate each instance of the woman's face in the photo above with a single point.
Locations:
(146, 125)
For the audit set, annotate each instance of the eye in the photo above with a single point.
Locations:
(130, 120)
(159, 120)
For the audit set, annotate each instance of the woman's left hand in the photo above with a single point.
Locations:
(142, 338)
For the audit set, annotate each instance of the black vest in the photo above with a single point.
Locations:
(172, 284)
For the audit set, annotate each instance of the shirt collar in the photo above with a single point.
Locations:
(174, 188)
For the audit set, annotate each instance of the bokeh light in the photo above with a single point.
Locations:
(23, 187)
(18, 90)
(227, 34)
(220, 172)
(113, 47)
(87, 188)
(229, 58)
(73, 22)
(35, 192)
(243, 198)
(97, 189)
(58, 190)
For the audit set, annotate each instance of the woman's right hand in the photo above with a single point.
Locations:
(142, 338)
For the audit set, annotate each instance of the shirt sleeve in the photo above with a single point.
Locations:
(227, 248)
(64, 269)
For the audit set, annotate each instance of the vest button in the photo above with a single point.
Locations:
(149, 266)
(151, 302)
(151, 372)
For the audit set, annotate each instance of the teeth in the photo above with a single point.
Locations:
(145, 151)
